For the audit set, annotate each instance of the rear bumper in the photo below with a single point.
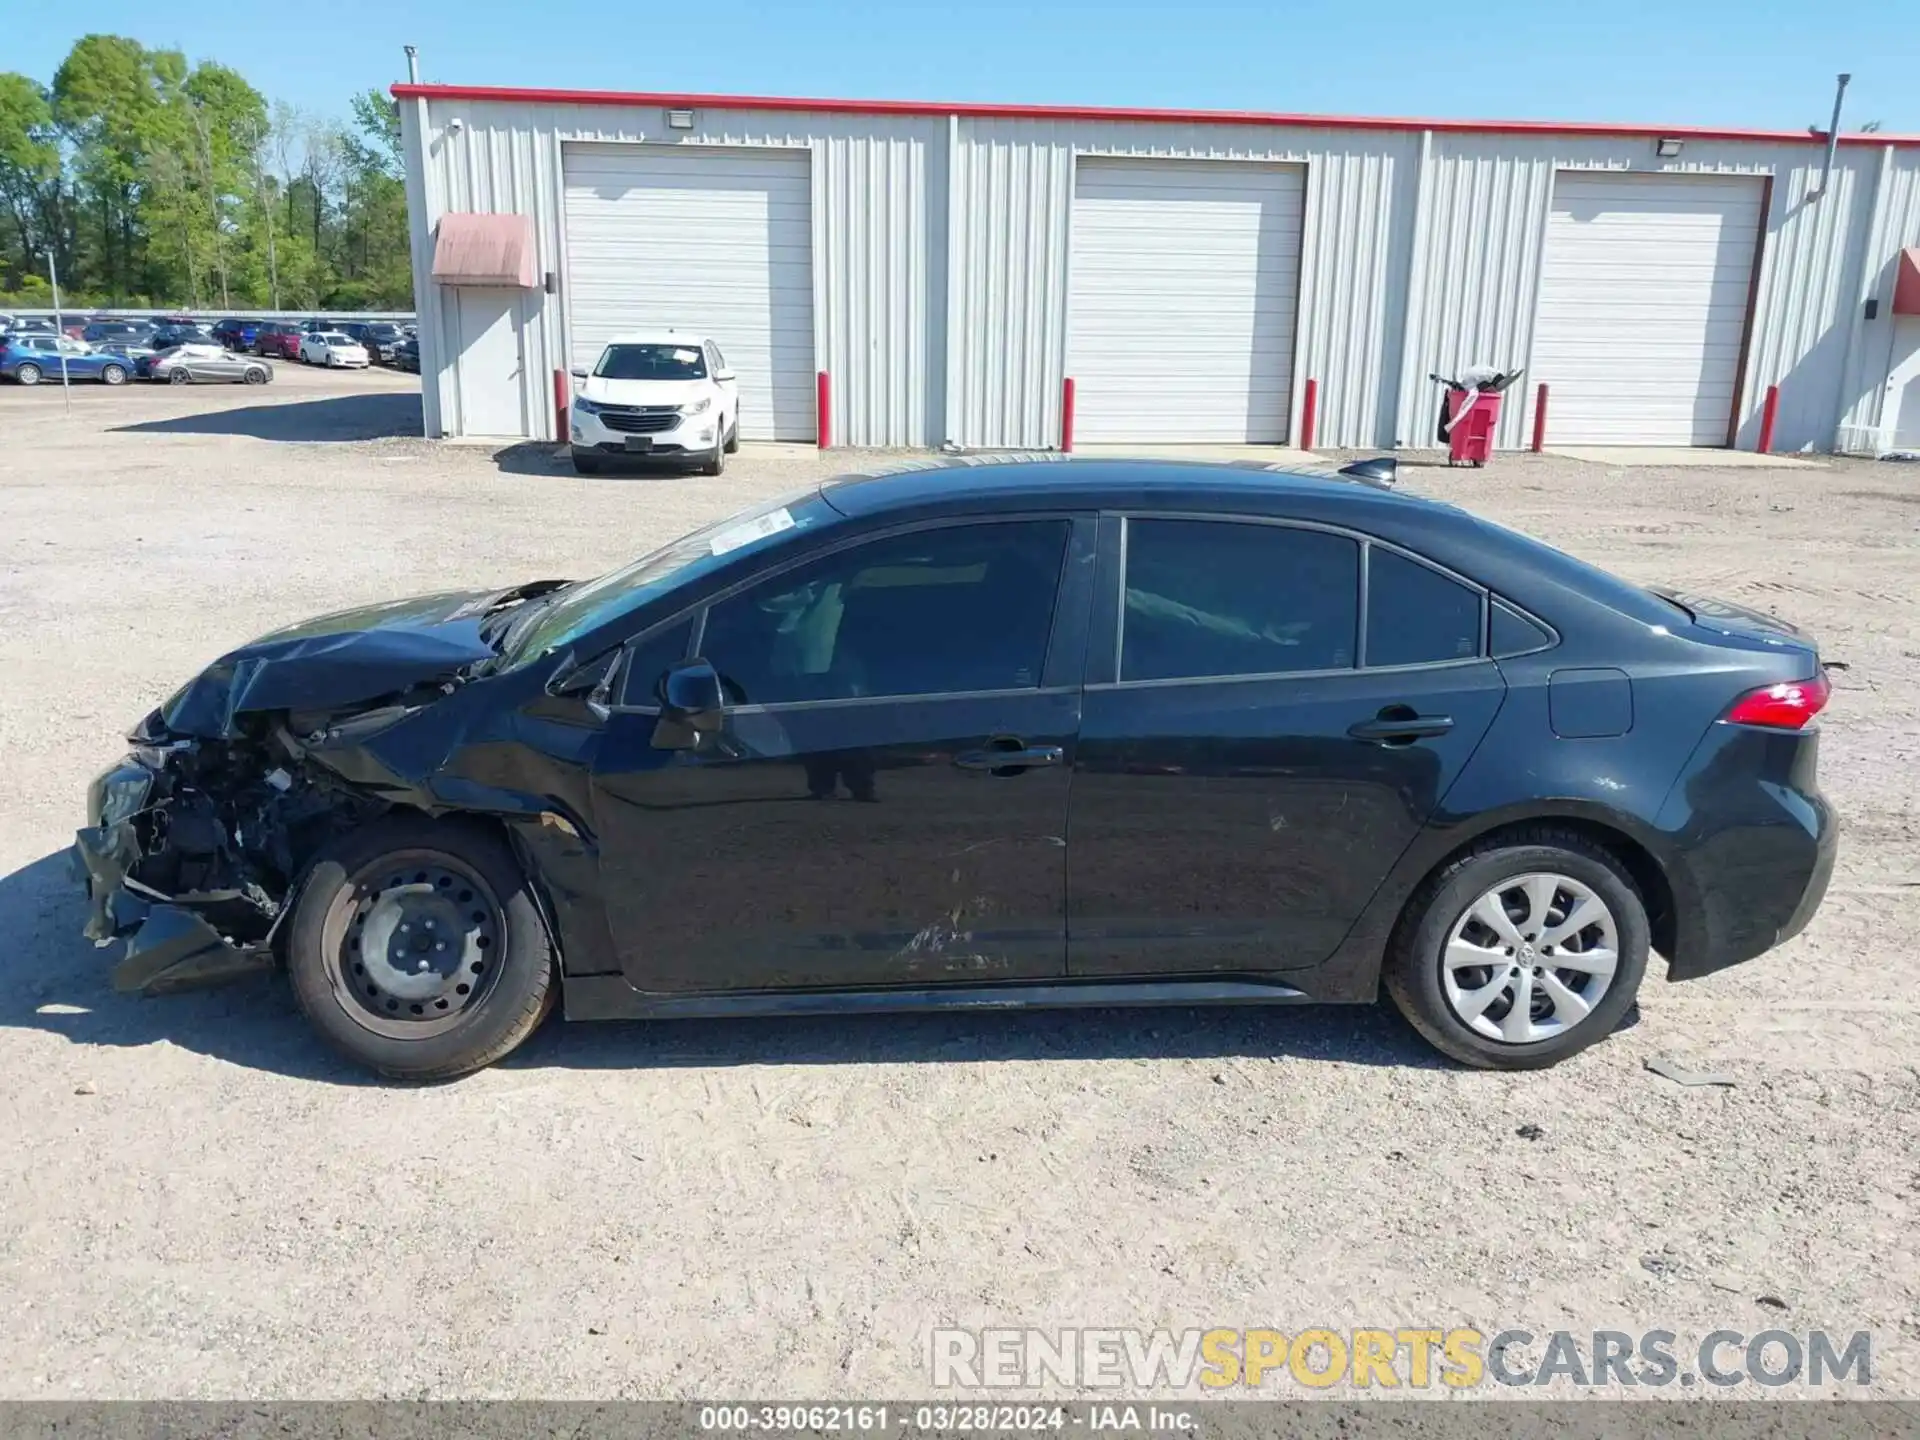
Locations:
(1755, 854)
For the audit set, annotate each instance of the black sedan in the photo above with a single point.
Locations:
(987, 736)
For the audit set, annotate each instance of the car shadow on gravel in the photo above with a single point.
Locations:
(377, 415)
(53, 979)
(543, 457)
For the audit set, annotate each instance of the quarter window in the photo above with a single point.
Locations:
(1208, 597)
(1416, 615)
(649, 659)
(958, 608)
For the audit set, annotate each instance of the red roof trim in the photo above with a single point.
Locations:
(513, 94)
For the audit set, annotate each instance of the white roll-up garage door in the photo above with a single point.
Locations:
(717, 242)
(1184, 277)
(1643, 306)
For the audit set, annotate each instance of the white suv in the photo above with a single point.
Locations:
(661, 394)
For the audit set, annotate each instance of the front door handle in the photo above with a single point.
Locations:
(1009, 757)
(1400, 725)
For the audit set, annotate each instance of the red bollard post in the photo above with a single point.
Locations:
(560, 405)
(1309, 413)
(1768, 413)
(823, 411)
(1540, 418)
(1066, 415)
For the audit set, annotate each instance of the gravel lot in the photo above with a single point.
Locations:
(197, 1201)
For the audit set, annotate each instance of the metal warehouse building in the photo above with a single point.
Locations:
(949, 268)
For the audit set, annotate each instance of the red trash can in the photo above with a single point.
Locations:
(1470, 412)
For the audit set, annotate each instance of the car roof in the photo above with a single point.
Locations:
(660, 337)
(959, 484)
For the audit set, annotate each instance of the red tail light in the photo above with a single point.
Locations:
(1788, 706)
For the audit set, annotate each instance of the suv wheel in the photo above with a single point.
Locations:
(1525, 950)
(416, 948)
(28, 374)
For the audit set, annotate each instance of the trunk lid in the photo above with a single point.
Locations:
(1742, 622)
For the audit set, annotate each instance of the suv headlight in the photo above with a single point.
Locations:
(698, 407)
(584, 406)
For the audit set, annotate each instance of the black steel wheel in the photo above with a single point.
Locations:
(417, 949)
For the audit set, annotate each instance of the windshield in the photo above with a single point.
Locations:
(587, 606)
(334, 337)
(651, 362)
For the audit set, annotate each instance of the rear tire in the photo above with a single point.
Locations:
(410, 872)
(1436, 990)
(179, 375)
(113, 374)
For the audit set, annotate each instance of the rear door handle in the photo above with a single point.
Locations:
(1401, 728)
(1010, 759)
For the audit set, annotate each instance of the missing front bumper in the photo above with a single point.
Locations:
(168, 947)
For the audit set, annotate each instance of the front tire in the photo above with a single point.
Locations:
(28, 374)
(1524, 950)
(417, 950)
(715, 463)
(256, 375)
(733, 437)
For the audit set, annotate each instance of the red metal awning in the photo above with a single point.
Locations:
(485, 250)
(1906, 282)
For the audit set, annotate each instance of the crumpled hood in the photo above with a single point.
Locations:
(644, 392)
(342, 659)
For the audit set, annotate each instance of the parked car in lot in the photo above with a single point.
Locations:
(987, 736)
(236, 334)
(30, 358)
(332, 349)
(279, 339)
(377, 337)
(659, 395)
(204, 364)
(406, 356)
(167, 336)
(132, 338)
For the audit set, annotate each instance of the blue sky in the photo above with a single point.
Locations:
(1712, 62)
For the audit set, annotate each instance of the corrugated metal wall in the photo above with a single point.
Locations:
(1893, 225)
(942, 243)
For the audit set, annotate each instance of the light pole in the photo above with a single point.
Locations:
(60, 335)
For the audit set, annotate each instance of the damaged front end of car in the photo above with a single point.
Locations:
(197, 843)
(194, 849)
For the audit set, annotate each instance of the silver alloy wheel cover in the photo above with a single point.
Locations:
(1530, 959)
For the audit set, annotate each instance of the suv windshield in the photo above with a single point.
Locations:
(651, 362)
(587, 606)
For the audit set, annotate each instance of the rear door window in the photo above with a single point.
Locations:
(1416, 615)
(1207, 598)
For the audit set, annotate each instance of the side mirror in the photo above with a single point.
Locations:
(723, 375)
(578, 372)
(691, 706)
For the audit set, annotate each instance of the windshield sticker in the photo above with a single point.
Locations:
(748, 531)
